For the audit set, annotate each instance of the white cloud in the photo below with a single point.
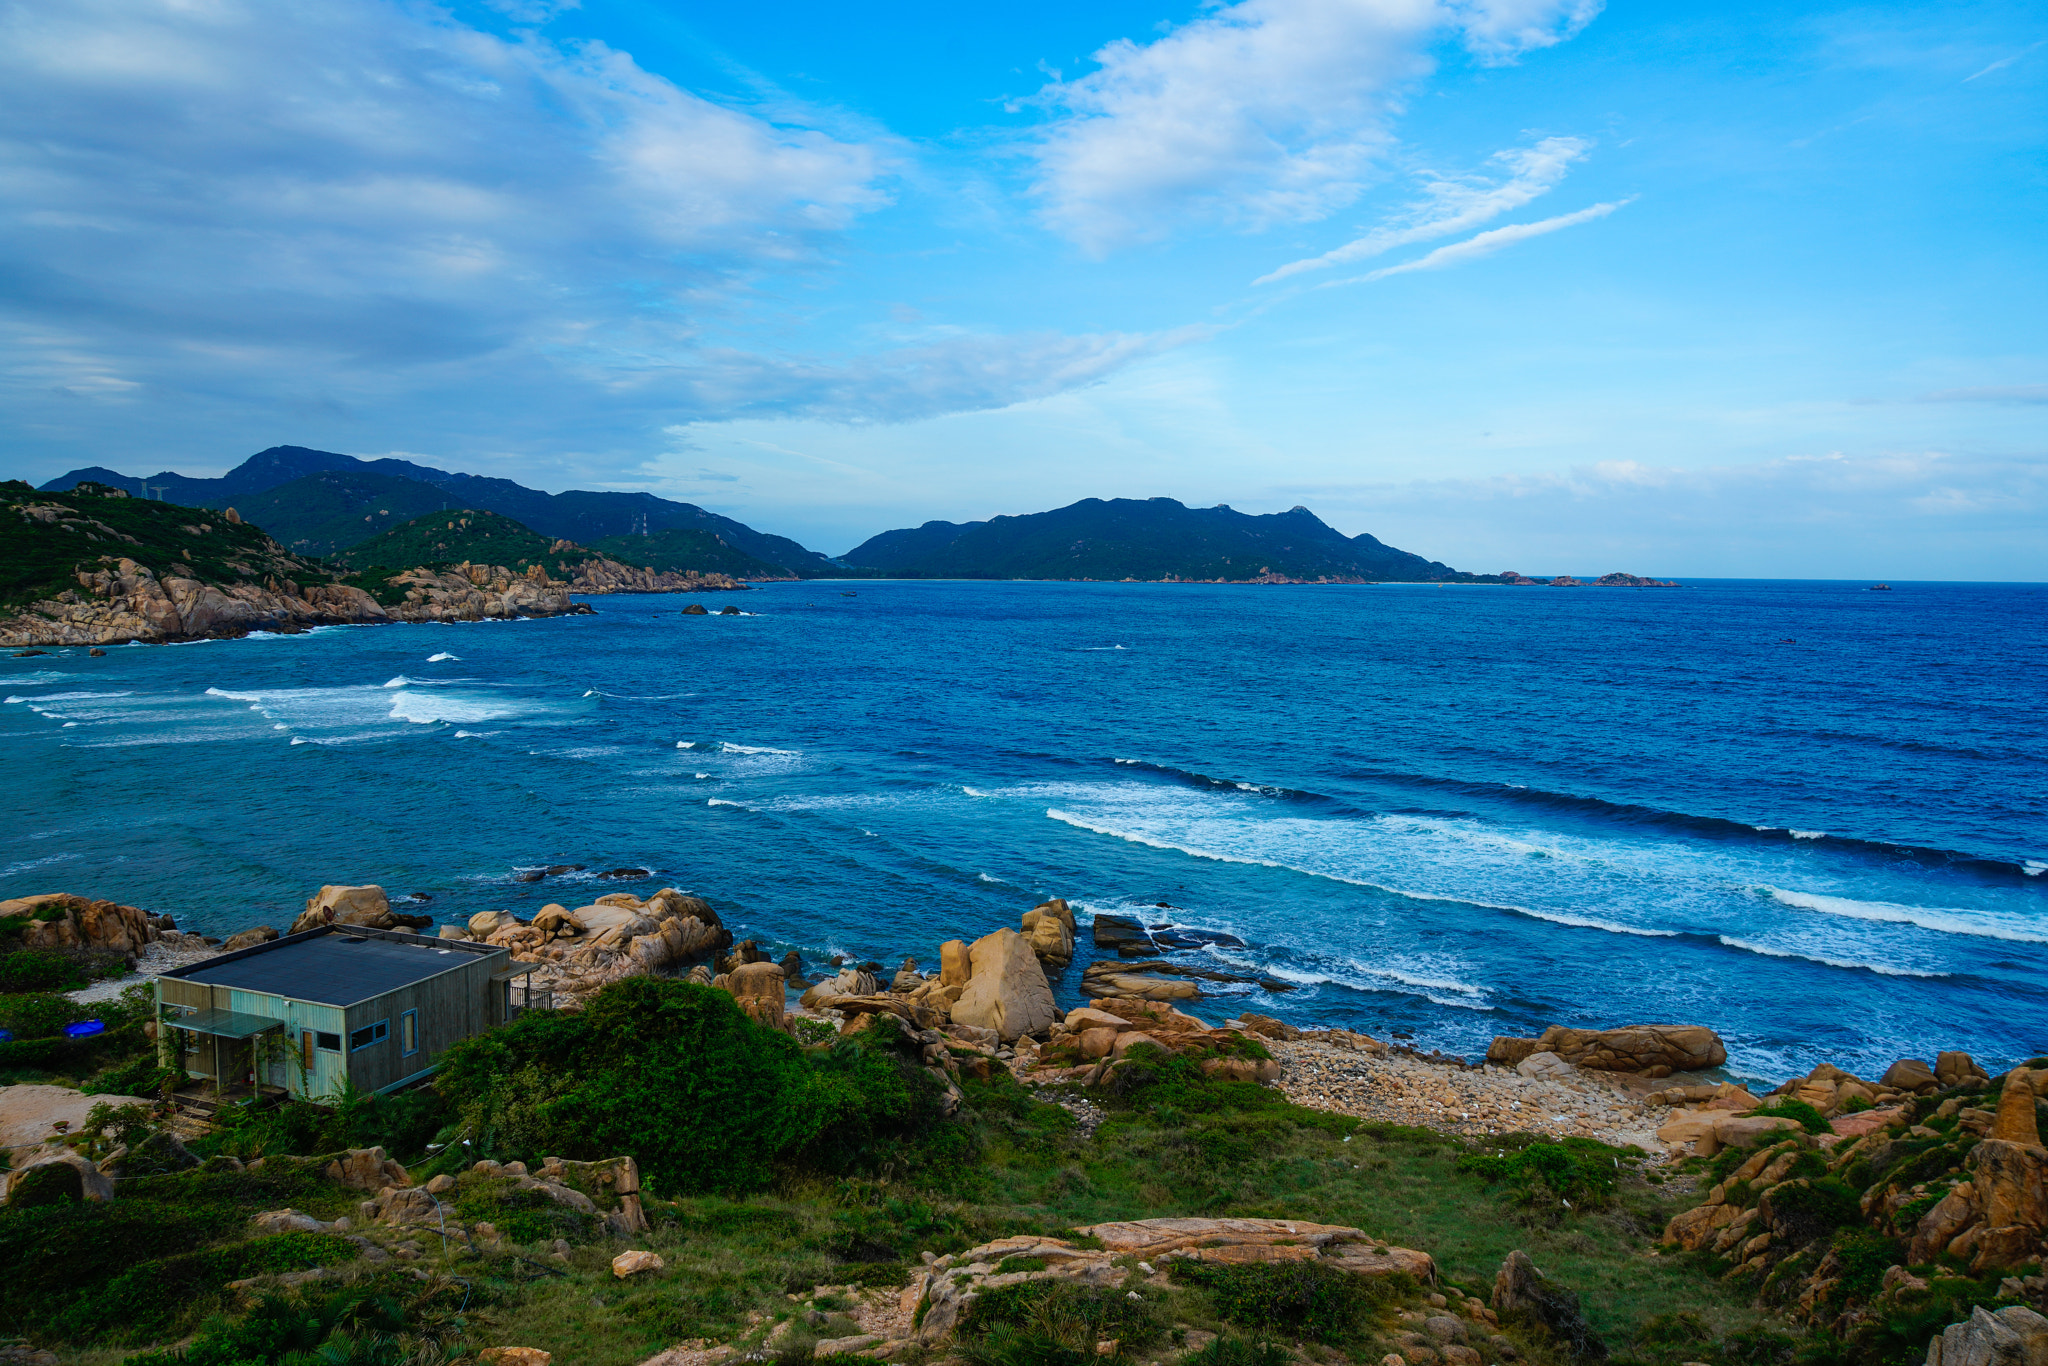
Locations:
(1259, 112)
(272, 217)
(1450, 205)
(1487, 243)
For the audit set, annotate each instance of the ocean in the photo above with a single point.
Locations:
(1811, 816)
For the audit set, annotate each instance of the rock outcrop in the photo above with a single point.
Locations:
(366, 906)
(950, 1284)
(618, 936)
(121, 600)
(1522, 1292)
(1007, 991)
(1050, 930)
(1646, 1050)
(63, 920)
(2014, 1336)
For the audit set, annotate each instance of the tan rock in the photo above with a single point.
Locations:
(1082, 1018)
(484, 924)
(1052, 938)
(337, 905)
(1910, 1074)
(2016, 1122)
(248, 939)
(1007, 991)
(955, 964)
(368, 1169)
(2011, 1181)
(1267, 1027)
(761, 991)
(633, 1263)
(1134, 1038)
(1097, 1042)
(1953, 1069)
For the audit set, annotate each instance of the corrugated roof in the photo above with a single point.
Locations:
(335, 969)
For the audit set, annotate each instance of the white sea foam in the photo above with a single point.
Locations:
(700, 775)
(1879, 968)
(1555, 917)
(2034, 867)
(425, 708)
(1940, 919)
(984, 877)
(68, 696)
(398, 682)
(720, 801)
(442, 657)
(1809, 834)
(730, 748)
(25, 865)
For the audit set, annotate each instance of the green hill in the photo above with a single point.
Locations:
(323, 513)
(489, 538)
(679, 551)
(1147, 539)
(452, 537)
(45, 538)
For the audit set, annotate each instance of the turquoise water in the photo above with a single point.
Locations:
(1811, 816)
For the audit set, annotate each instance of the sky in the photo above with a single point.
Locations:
(1747, 290)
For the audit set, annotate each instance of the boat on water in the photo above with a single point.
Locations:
(1879, 588)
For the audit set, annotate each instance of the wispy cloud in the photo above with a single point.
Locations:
(1453, 204)
(1487, 243)
(1260, 112)
(1996, 393)
(2004, 62)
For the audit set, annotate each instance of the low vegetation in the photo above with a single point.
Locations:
(773, 1171)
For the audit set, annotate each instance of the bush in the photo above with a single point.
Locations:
(156, 1299)
(1305, 1299)
(1235, 1351)
(38, 1016)
(1053, 1323)
(1808, 1118)
(348, 1328)
(1578, 1170)
(37, 970)
(705, 1098)
(1803, 1211)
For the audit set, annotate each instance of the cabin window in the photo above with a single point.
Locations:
(409, 1033)
(369, 1034)
(329, 1042)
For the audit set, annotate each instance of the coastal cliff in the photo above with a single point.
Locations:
(96, 567)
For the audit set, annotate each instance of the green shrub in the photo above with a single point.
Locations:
(1303, 1298)
(884, 1274)
(39, 970)
(1577, 1169)
(350, 1328)
(524, 1216)
(1802, 1212)
(38, 1016)
(1670, 1332)
(1236, 1351)
(158, 1298)
(1808, 1118)
(705, 1098)
(1037, 1323)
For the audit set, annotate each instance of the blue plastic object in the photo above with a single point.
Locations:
(6, 1036)
(84, 1028)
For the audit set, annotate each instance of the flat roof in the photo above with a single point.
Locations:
(335, 965)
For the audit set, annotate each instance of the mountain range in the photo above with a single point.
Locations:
(1149, 539)
(321, 503)
(324, 503)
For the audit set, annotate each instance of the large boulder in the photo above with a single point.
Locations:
(248, 939)
(368, 1169)
(761, 990)
(1522, 1292)
(1646, 1050)
(366, 906)
(1953, 1069)
(2016, 1336)
(1910, 1074)
(1007, 991)
(1050, 928)
(955, 967)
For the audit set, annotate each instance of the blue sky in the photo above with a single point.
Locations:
(1531, 284)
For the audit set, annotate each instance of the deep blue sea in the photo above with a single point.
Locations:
(1809, 815)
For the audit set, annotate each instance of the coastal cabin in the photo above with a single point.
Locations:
(304, 1013)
